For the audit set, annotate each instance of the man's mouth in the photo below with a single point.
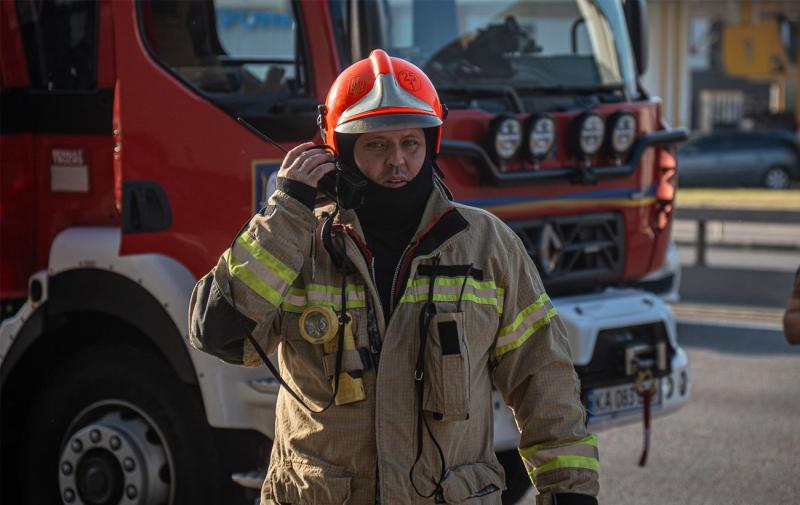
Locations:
(395, 182)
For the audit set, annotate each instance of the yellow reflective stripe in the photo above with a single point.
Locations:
(448, 289)
(571, 462)
(452, 281)
(334, 290)
(412, 298)
(511, 328)
(266, 258)
(526, 334)
(251, 280)
(590, 439)
(321, 295)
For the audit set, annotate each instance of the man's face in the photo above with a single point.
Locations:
(391, 158)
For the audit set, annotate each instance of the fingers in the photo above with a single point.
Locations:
(293, 153)
(320, 171)
(306, 165)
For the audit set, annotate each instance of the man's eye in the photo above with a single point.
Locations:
(411, 143)
(375, 145)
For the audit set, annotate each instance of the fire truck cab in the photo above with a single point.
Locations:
(125, 174)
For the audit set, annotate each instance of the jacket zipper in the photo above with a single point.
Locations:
(397, 273)
(373, 331)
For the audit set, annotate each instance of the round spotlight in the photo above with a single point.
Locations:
(541, 136)
(590, 131)
(506, 137)
(623, 132)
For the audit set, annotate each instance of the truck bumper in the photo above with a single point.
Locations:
(585, 316)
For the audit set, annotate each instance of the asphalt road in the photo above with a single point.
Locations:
(737, 441)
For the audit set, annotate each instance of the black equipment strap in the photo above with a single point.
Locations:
(427, 312)
(343, 320)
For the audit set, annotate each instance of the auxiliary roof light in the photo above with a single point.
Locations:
(506, 135)
(623, 132)
(590, 131)
(541, 136)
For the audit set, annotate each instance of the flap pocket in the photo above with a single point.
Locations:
(299, 483)
(447, 368)
(475, 483)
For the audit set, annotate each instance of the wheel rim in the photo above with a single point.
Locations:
(114, 454)
(776, 179)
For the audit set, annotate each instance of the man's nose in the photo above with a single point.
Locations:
(394, 158)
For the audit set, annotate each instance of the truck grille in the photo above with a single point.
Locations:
(575, 253)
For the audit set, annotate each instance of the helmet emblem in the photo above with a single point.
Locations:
(409, 80)
(356, 87)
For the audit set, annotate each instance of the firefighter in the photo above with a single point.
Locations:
(393, 321)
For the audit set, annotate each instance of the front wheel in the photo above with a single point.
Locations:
(517, 481)
(115, 426)
(776, 178)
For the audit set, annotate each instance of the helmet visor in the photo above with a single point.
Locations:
(388, 122)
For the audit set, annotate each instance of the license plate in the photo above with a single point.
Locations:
(612, 400)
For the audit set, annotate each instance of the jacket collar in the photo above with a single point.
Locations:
(438, 205)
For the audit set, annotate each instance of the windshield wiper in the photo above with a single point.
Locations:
(566, 89)
(485, 90)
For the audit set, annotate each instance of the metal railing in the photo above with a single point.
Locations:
(702, 215)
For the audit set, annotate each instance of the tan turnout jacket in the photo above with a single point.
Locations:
(494, 325)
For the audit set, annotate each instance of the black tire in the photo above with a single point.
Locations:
(117, 384)
(776, 177)
(517, 481)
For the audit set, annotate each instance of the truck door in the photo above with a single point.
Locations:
(55, 138)
(191, 174)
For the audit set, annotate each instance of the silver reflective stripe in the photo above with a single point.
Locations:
(529, 320)
(386, 92)
(451, 290)
(336, 298)
(294, 299)
(269, 277)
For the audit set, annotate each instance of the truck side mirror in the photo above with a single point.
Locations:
(636, 19)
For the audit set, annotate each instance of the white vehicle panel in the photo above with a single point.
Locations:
(229, 398)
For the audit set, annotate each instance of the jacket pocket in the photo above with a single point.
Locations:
(446, 392)
(473, 484)
(297, 483)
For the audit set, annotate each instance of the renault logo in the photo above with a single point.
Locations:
(551, 248)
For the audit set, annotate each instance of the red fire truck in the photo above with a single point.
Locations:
(125, 175)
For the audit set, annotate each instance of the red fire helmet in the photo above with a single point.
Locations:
(380, 93)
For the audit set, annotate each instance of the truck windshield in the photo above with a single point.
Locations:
(552, 46)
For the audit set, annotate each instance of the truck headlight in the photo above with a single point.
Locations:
(541, 136)
(590, 131)
(506, 134)
(623, 132)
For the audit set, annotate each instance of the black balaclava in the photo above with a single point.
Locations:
(390, 216)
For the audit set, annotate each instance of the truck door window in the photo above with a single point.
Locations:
(60, 40)
(244, 56)
(227, 47)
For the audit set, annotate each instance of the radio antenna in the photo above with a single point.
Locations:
(259, 133)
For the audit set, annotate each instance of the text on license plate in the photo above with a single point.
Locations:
(602, 401)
